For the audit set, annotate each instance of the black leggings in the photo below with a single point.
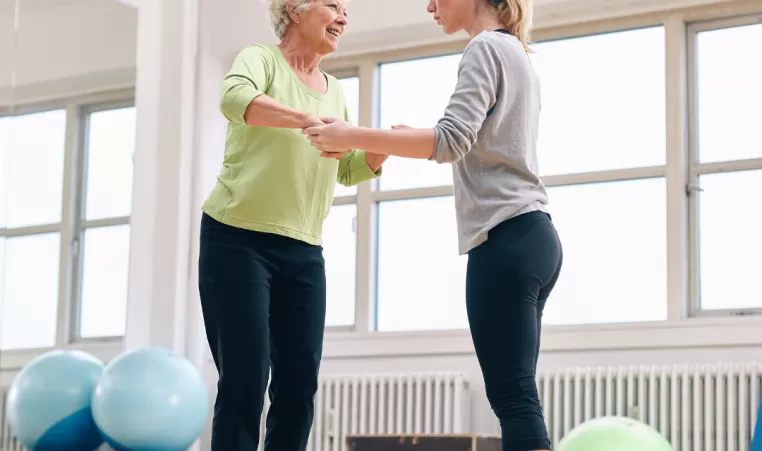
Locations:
(263, 298)
(509, 278)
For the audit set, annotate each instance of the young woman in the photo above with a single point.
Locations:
(489, 134)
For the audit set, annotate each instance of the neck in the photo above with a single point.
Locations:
(297, 52)
(483, 20)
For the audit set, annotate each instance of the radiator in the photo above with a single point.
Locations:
(697, 408)
(7, 441)
(409, 403)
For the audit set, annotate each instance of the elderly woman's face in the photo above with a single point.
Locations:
(324, 23)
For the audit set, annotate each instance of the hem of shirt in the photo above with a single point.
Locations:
(264, 227)
(483, 236)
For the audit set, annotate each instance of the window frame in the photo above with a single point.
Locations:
(696, 169)
(685, 327)
(73, 223)
(679, 170)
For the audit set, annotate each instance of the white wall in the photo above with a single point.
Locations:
(84, 45)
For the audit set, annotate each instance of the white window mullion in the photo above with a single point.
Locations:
(365, 292)
(69, 236)
(676, 54)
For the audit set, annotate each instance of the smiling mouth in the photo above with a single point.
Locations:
(334, 33)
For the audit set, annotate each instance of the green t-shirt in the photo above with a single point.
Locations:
(272, 179)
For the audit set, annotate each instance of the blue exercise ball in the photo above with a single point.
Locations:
(150, 399)
(48, 404)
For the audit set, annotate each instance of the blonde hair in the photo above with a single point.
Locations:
(279, 18)
(516, 16)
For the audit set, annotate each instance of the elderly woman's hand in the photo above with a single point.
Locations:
(331, 137)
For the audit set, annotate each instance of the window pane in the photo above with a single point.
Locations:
(339, 246)
(415, 93)
(421, 278)
(104, 281)
(29, 300)
(111, 143)
(615, 253)
(729, 93)
(351, 88)
(730, 242)
(35, 159)
(603, 102)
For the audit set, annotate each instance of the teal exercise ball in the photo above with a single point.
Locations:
(614, 434)
(48, 407)
(150, 399)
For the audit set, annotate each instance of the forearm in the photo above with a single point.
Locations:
(265, 111)
(375, 160)
(408, 143)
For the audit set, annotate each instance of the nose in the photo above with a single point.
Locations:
(432, 7)
(342, 20)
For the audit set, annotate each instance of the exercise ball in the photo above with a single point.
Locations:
(150, 399)
(48, 405)
(614, 434)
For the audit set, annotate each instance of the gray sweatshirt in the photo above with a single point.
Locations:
(489, 134)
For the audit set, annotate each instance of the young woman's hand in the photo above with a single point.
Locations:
(334, 136)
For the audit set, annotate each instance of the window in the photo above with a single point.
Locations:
(339, 245)
(351, 88)
(32, 150)
(603, 104)
(415, 93)
(727, 165)
(602, 151)
(105, 228)
(421, 278)
(615, 252)
(64, 234)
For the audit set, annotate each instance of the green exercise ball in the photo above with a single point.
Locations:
(614, 434)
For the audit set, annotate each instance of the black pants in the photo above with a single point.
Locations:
(509, 278)
(263, 298)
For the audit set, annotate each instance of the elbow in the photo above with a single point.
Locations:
(452, 144)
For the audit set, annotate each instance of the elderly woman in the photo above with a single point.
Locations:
(261, 268)
(489, 134)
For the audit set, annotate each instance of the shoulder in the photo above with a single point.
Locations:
(261, 52)
(494, 45)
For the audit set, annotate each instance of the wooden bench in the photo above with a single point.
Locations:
(423, 442)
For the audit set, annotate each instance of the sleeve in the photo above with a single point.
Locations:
(353, 167)
(475, 94)
(247, 79)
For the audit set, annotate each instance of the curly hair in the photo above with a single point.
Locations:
(279, 18)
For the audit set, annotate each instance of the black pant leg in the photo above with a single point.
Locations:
(234, 283)
(297, 324)
(505, 277)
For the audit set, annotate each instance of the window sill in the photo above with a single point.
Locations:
(16, 359)
(691, 333)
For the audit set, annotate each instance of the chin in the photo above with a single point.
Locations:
(446, 29)
(329, 47)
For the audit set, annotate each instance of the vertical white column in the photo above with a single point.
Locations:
(159, 254)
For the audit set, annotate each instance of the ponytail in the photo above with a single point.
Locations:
(516, 17)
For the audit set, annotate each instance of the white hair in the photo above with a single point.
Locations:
(279, 18)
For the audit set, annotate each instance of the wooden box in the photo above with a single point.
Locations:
(423, 442)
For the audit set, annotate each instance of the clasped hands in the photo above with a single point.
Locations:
(333, 138)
